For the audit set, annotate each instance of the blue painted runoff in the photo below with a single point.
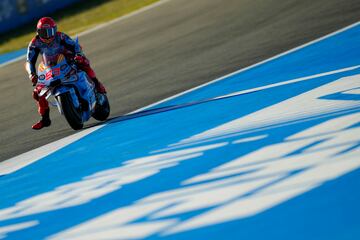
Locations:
(7, 57)
(327, 211)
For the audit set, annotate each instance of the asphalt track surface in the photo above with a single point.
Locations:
(171, 48)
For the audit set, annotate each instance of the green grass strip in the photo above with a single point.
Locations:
(74, 20)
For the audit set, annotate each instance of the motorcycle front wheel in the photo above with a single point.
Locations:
(72, 115)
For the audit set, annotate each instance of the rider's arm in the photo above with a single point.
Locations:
(70, 44)
(32, 54)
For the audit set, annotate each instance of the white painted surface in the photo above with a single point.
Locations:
(13, 164)
(277, 114)
(16, 227)
(101, 183)
(253, 183)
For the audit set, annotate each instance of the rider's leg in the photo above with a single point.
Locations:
(43, 109)
(85, 66)
(98, 85)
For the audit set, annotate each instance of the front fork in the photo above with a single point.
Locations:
(62, 90)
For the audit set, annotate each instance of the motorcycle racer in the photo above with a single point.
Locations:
(49, 41)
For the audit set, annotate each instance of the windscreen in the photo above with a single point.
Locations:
(51, 60)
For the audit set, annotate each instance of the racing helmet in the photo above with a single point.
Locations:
(46, 29)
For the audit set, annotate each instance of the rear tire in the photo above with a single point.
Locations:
(102, 108)
(72, 115)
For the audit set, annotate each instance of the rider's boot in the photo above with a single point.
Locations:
(44, 122)
(99, 86)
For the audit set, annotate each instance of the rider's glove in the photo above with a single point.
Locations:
(34, 78)
(80, 59)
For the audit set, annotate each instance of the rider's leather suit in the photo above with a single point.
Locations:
(61, 44)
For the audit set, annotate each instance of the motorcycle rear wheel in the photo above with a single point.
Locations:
(102, 110)
(72, 115)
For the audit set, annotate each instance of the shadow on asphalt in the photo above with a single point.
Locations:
(148, 112)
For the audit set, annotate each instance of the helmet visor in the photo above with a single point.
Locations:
(47, 32)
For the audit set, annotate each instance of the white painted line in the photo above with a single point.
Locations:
(287, 82)
(250, 139)
(12, 61)
(103, 25)
(25, 159)
(249, 67)
(13, 164)
(252, 90)
(16, 227)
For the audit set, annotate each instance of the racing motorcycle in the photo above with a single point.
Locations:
(74, 92)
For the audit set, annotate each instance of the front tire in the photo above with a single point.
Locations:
(72, 115)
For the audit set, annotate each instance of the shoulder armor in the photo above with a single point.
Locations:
(60, 35)
(33, 40)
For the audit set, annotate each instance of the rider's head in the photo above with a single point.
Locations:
(46, 29)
